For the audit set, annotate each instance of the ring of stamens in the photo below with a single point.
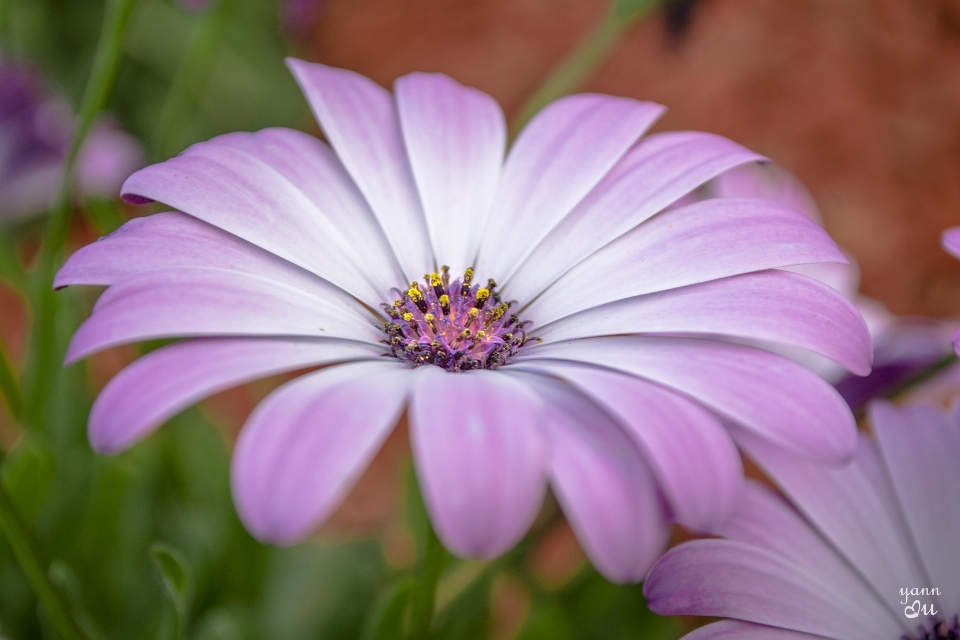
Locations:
(948, 629)
(455, 325)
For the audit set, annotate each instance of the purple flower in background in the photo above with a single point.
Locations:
(870, 553)
(951, 242)
(533, 312)
(299, 16)
(34, 136)
(902, 346)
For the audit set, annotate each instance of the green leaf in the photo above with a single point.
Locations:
(28, 473)
(386, 619)
(65, 579)
(171, 565)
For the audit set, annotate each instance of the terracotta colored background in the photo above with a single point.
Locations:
(859, 98)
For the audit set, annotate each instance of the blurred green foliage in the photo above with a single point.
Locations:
(147, 544)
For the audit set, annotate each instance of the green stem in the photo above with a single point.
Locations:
(106, 62)
(9, 386)
(10, 267)
(192, 72)
(922, 376)
(425, 591)
(586, 58)
(26, 554)
(4, 18)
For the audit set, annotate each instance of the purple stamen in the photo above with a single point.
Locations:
(454, 325)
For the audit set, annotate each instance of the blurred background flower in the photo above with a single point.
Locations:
(868, 553)
(35, 130)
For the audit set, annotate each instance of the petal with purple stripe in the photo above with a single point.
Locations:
(773, 396)
(315, 170)
(766, 521)
(455, 137)
(360, 120)
(480, 456)
(163, 382)
(854, 507)
(656, 172)
(701, 242)
(921, 447)
(245, 196)
(202, 301)
(559, 157)
(603, 483)
(768, 305)
(172, 240)
(730, 579)
(686, 447)
(309, 441)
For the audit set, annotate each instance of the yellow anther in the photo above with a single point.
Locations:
(437, 283)
(445, 304)
(408, 317)
(481, 335)
(472, 315)
(498, 311)
(431, 320)
(467, 279)
(417, 297)
(482, 296)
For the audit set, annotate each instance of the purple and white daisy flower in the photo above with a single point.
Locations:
(533, 312)
(866, 552)
(902, 346)
(35, 130)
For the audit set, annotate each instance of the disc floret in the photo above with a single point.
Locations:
(457, 325)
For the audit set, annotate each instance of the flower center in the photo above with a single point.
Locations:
(937, 629)
(456, 325)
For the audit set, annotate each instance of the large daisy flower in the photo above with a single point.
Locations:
(533, 312)
(870, 551)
